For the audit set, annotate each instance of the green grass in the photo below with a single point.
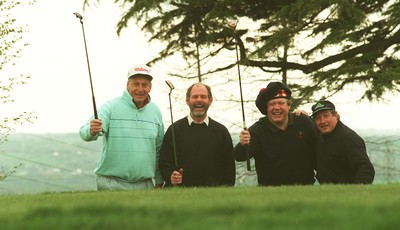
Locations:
(290, 207)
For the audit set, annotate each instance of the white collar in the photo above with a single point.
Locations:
(190, 120)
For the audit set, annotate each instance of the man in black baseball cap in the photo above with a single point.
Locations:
(341, 153)
(283, 145)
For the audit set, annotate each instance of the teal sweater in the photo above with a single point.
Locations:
(132, 139)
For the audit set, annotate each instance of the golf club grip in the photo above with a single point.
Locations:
(94, 108)
(248, 158)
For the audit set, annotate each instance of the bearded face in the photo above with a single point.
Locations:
(198, 102)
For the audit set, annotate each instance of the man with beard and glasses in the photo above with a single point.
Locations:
(282, 144)
(132, 130)
(204, 147)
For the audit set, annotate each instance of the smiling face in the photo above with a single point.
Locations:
(139, 88)
(277, 112)
(198, 101)
(326, 121)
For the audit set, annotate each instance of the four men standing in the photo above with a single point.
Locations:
(286, 147)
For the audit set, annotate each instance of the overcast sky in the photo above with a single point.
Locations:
(59, 90)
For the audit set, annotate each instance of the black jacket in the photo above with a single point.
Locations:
(342, 158)
(282, 157)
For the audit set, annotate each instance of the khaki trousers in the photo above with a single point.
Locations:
(115, 183)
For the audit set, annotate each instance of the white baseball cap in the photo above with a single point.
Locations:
(140, 70)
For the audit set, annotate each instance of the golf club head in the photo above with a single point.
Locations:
(232, 25)
(78, 15)
(171, 86)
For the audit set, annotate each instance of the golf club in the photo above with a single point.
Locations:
(171, 87)
(87, 59)
(233, 25)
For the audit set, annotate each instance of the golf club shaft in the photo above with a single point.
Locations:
(87, 60)
(171, 86)
(241, 91)
(173, 135)
(241, 101)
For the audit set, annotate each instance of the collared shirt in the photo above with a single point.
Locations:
(146, 101)
(190, 120)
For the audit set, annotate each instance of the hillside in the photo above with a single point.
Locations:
(63, 162)
(48, 162)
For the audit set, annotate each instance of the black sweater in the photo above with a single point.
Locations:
(204, 152)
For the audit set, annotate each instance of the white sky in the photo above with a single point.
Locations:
(59, 90)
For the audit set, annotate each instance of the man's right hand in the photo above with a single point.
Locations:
(244, 137)
(176, 177)
(95, 127)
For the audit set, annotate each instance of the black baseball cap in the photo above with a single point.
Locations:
(322, 105)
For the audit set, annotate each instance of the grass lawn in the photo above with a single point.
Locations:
(288, 207)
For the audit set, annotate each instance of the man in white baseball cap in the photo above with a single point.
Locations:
(133, 130)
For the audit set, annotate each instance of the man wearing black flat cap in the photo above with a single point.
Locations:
(283, 145)
(341, 153)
